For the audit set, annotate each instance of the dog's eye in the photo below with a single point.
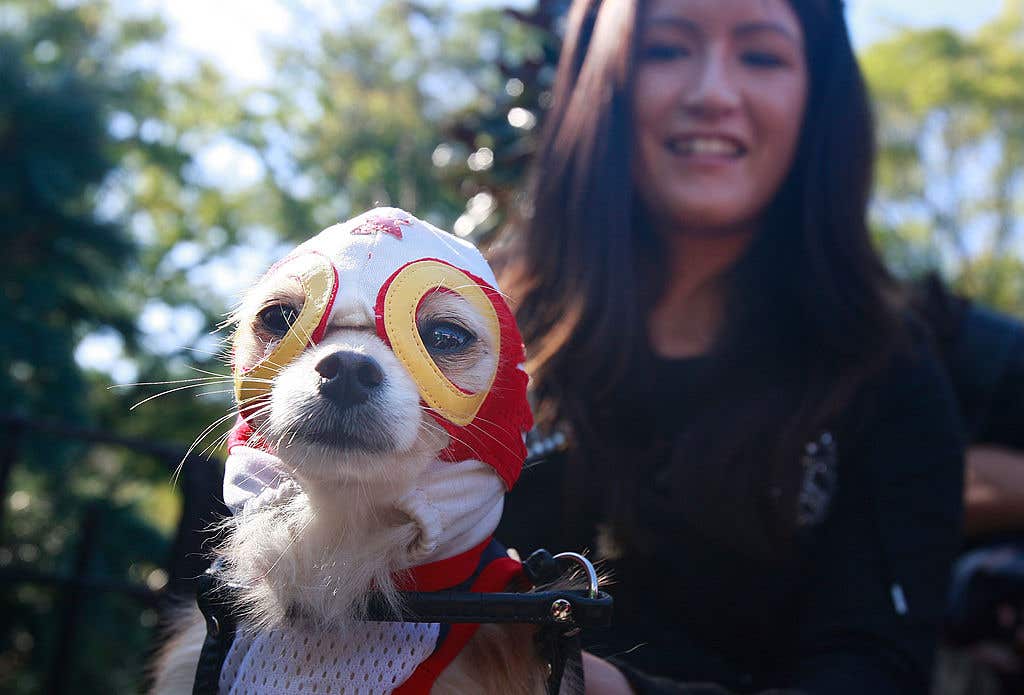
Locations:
(278, 318)
(445, 338)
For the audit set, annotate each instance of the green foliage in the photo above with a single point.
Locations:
(70, 271)
(356, 112)
(951, 173)
(50, 170)
(506, 121)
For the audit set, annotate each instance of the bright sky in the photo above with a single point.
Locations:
(233, 31)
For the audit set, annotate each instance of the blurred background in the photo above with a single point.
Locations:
(156, 156)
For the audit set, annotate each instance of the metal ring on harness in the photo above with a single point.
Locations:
(588, 567)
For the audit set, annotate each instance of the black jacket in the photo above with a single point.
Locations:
(857, 611)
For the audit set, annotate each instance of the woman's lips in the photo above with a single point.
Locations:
(711, 146)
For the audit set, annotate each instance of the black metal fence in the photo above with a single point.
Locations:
(200, 481)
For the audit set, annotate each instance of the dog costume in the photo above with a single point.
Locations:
(382, 264)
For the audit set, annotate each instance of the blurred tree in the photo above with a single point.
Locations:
(489, 143)
(951, 172)
(50, 171)
(137, 202)
(67, 89)
(354, 116)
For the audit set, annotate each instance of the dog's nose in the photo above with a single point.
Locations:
(349, 377)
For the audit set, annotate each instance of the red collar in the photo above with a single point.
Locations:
(442, 574)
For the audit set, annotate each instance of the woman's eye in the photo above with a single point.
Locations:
(762, 59)
(445, 338)
(663, 52)
(278, 318)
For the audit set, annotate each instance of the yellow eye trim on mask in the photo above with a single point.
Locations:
(401, 300)
(319, 284)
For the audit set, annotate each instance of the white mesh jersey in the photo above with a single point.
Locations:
(371, 659)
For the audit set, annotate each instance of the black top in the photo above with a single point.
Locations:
(985, 359)
(856, 610)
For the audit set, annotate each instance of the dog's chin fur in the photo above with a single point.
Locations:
(332, 537)
(315, 555)
(335, 534)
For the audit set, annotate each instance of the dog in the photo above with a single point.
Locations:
(382, 411)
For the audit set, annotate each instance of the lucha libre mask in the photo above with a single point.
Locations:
(380, 266)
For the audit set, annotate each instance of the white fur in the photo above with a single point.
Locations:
(395, 415)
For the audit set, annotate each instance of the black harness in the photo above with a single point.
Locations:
(561, 616)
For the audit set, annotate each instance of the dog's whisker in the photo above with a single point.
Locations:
(260, 393)
(202, 435)
(263, 428)
(480, 430)
(168, 382)
(437, 429)
(209, 428)
(305, 335)
(214, 393)
(205, 371)
(217, 443)
(496, 425)
(428, 420)
(201, 352)
(254, 475)
(484, 288)
(170, 391)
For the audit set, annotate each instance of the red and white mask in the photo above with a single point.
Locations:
(425, 295)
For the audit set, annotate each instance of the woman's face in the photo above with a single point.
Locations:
(718, 104)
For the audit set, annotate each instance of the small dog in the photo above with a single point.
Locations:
(382, 408)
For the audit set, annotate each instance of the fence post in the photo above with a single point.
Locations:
(8, 455)
(202, 508)
(63, 661)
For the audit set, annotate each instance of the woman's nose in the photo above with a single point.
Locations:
(713, 92)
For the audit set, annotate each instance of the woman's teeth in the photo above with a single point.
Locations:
(708, 146)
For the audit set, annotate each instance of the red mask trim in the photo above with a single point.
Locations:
(315, 336)
(321, 328)
(495, 436)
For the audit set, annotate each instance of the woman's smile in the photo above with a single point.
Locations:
(706, 146)
(717, 106)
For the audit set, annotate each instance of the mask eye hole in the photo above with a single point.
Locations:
(277, 319)
(443, 338)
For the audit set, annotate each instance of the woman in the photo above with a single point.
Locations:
(764, 448)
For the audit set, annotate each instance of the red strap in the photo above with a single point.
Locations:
(443, 574)
(242, 435)
(495, 577)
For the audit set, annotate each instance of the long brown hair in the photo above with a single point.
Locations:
(809, 313)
